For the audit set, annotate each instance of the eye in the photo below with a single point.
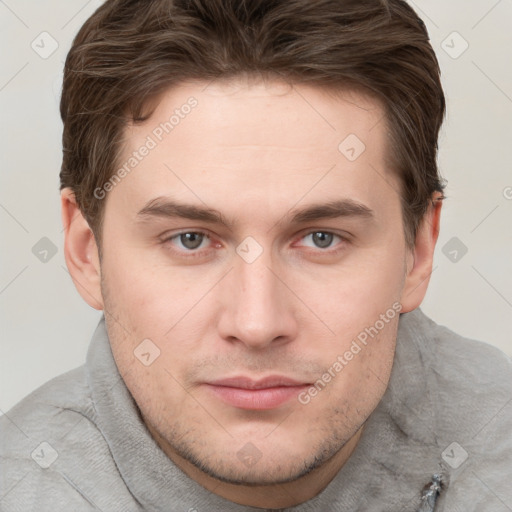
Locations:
(190, 240)
(321, 239)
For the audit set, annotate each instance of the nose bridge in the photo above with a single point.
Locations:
(257, 311)
(256, 284)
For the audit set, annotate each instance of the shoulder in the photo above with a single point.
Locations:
(49, 411)
(471, 364)
(469, 383)
(51, 452)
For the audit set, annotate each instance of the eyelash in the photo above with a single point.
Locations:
(197, 253)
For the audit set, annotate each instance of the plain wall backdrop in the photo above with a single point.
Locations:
(46, 326)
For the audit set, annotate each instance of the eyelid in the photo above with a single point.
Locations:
(345, 237)
(168, 237)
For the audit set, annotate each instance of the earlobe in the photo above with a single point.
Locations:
(422, 256)
(81, 251)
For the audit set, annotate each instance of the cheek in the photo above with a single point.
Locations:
(366, 356)
(144, 293)
(168, 305)
(355, 295)
(360, 305)
(145, 310)
(355, 378)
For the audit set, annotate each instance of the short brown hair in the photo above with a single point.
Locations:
(129, 51)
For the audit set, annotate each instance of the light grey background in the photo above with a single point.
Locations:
(45, 325)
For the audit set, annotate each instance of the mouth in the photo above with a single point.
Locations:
(256, 394)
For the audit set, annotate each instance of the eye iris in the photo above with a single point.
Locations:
(322, 240)
(191, 240)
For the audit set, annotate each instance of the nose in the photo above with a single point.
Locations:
(259, 310)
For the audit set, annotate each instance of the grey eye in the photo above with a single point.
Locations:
(191, 240)
(322, 239)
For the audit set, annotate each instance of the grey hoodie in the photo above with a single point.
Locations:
(440, 439)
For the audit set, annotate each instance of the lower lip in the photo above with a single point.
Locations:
(256, 399)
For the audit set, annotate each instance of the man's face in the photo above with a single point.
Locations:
(258, 288)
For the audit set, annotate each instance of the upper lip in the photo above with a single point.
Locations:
(242, 382)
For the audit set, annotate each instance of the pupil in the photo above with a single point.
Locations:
(322, 239)
(191, 240)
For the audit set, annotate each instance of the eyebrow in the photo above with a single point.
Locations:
(166, 208)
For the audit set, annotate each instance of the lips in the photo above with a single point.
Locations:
(256, 394)
(273, 381)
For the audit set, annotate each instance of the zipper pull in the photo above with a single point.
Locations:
(430, 493)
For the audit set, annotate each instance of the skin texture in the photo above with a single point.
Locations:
(257, 153)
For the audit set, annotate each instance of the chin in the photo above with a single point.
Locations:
(260, 463)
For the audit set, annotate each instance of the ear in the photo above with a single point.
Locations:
(420, 258)
(81, 251)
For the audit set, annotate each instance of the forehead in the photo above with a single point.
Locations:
(254, 112)
(257, 139)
